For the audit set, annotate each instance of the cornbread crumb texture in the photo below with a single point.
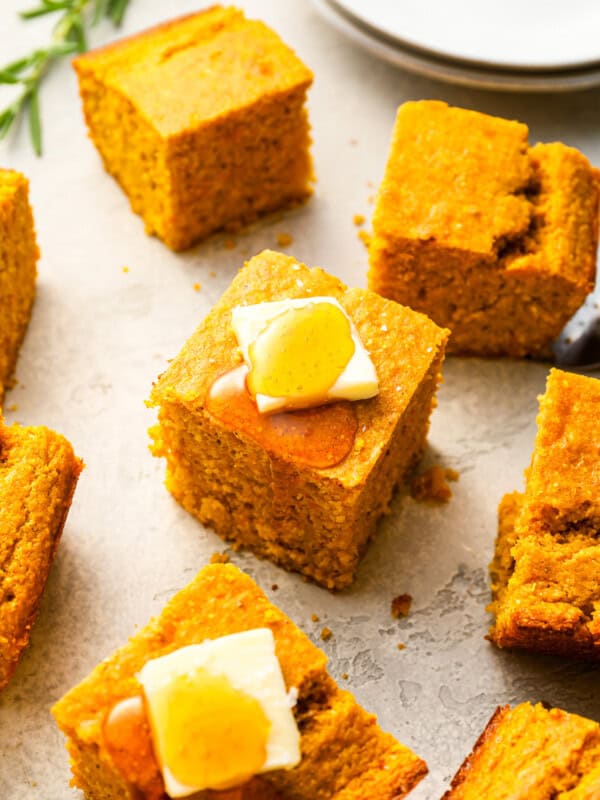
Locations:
(311, 520)
(491, 238)
(345, 755)
(18, 258)
(545, 570)
(432, 484)
(532, 753)
(401, 605)
(38, 475)
(202, 122)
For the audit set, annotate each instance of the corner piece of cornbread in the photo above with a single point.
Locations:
(546, 569)
(38, 475)
(310, 519)
(531, 752)
(18, 258)
(202, 122)
(489, 237)
(345, 755)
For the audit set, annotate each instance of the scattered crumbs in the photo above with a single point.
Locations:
(365, 237)
(212, 273)
(219, 558)
(14, 407)
(284, 239)
(197, 287)
(229, 244)
(315, 617)
(274, 587)
(125, 269)
(358, 220)
(326, 634)
(401, 646)
(344, 676)
(432, 485)
(401, 605)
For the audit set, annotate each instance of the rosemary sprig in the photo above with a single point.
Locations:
(69, 36)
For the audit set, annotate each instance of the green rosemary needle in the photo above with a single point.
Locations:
(69, 36)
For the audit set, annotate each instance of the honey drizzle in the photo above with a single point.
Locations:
(318, 437)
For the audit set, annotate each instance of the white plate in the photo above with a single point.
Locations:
(530, 35)
(451, 71)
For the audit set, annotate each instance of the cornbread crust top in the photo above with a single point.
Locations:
(202, 122)
(545, 573)
(532, 753)
(317, 521)
(18, 258)
(345, 755)
(491, 238)
(38, 475)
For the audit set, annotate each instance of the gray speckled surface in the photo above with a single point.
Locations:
(99, 337)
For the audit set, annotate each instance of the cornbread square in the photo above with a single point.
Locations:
(489, 237)
(313, 520)
(202, 122)
(532, 753)
(546, 569)
(345, 755)
(38, 475)
(18, 258)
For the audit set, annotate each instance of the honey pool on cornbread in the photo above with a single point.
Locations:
(304, 489)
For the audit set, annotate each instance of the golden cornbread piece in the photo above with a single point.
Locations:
(489, 237)
(38, 475)
(546, 568)
(18, 258)
(202, 122)
(345, 755)
(532, 753)
(306, 518)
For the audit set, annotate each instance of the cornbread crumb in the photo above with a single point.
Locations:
(432, 485)
(365, 238)
(202, 121)
(326, 634)
(344, 676)
(358, 220)
(401, 605)
(197, 287)
(314, 617)
(284, 239)
(401, 646)
(274, 587)
(125, 269)
(219, 558)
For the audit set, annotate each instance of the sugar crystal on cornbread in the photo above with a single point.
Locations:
(344, 754)
(304, 488)
(488, 236)
(202, 122)
(531, 752)
(546, 569)
(18, 258)
(38, 475)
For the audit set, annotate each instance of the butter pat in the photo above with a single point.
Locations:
(302, 353)
(219, 713)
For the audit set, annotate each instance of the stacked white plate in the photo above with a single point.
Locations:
(512, 45)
